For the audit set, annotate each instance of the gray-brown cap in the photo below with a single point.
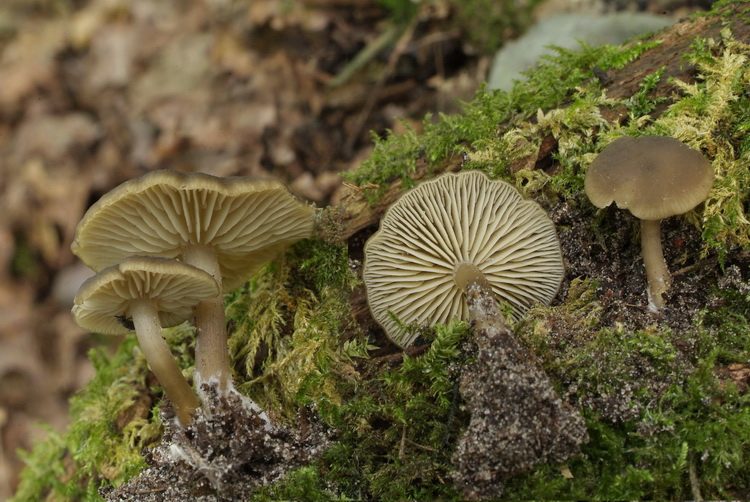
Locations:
(246, 222)
(453, 229)
(102, 304)
(652, 176)
(149, 293)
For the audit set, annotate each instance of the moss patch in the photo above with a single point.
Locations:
(112, 423)
(663, 423)
(475, 131)
(287, 340)
(394, 431)
(665, 399)
(545, 132)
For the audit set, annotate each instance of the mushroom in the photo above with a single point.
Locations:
(229, 227)
(453, 232)
(147, 293)
(654, 177)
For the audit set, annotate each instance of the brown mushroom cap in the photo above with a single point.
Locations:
(652, 176)
(247, 222)
(455, 230)
(103, 301)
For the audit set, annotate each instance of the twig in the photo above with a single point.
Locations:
(635, 306)
(398, 357)
(695, 486)
(684, 270)
(402, 447)
(385, 39)
(708, 261)
(152, 490)
(398, 50)
(421, 446)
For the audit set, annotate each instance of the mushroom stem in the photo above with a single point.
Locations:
(657, 272)
(160, 359)
(467, 274)
(211, 349)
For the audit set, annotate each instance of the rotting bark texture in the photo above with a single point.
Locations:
(676, 41)
(517, 419)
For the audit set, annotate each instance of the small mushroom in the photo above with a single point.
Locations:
(229, 227)
(150, 293)
(654, 177)
(452, 232)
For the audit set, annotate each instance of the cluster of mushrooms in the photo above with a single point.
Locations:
(464, 230)
(166, 247)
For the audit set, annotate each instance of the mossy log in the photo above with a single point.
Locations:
(664, 399)
(358, 212)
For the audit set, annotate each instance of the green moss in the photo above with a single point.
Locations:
(658, 404)
(552, 82)
(641, 103)
(716, 104)
(655, 411)
(718, 8)
(111, 425)
(306, 484)
(561, 100)
(287, 323)
(395, 430)
(397, 426)
(488, 24)
(698, 425)
(476, 129)
(726, 328)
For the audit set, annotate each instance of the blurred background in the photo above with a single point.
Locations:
(95, 92)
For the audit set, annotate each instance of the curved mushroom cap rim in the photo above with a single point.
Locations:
(246, 221)
(410, 262)
(174, 287)
(654, 177)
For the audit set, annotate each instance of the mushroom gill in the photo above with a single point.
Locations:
(453, 231)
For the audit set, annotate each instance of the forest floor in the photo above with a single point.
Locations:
(93, 93)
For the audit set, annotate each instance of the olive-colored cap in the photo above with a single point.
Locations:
(247, 222)
(453, 230)
(102, 304)
(652, 176)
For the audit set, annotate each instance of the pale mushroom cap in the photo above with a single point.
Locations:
(456, 219)
(175, 288)
(652, 176)
(248, 222)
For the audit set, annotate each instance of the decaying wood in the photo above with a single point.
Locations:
(355, 213)
(676, 41)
